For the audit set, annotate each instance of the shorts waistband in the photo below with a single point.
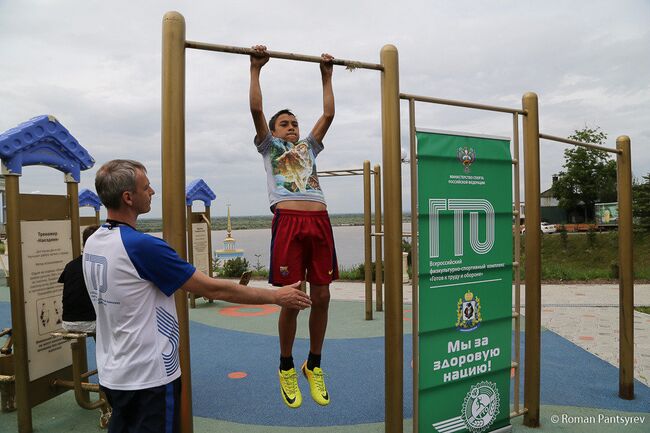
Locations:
(294, 212)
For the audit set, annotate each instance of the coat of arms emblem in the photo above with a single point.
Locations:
(466, 156)
(469, 312)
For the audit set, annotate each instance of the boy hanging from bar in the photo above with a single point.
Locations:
(302, 240)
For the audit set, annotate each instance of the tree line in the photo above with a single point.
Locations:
(589, 177)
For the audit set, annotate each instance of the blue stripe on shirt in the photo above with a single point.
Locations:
(155, 260)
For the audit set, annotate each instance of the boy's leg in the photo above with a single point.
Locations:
(289, 389)
(320, 296)
(322, 269)
(287, 324)
(286, 265)
(318, 315)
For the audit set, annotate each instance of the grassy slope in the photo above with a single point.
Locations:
(582, 260)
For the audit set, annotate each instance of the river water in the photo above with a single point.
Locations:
(256, 244)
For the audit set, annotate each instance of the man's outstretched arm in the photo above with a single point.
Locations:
(255, 93)
(212, 288)
(324, 122)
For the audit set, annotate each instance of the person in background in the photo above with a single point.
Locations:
(78, 311)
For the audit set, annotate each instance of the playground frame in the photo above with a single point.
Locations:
(173, 162)
(366, 172)
(531, 135)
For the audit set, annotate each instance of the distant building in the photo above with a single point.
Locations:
(547, 199)
(229, 250)
(550, 212)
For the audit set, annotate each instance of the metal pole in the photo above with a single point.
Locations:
(579, 143)
(340, 173)
(367, 242)
(97, 217)
(394, 351)
(415, 278)
(517, 246)
(173, 177)
(464, 104)
(350, 64)
(73, 199)
(626, 272)
(19, 331)
(190, 248)
(209, 223)
(73, 194)
(379, 277)
(533, 261)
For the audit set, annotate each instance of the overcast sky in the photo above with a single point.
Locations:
(96, 66)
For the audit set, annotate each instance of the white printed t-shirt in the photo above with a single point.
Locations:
(131, 277)
(291, 169)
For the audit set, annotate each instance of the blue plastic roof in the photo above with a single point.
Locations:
(199, 190)
(89, 198)
(42, 140)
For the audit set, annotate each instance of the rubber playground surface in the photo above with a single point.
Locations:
(234, 379)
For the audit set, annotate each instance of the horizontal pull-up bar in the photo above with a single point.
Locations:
(381, 234)
(352, 172)
(579, 143)
(349, 64)
(461, 104)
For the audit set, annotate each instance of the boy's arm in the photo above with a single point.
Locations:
(323, 124)
(255, 93)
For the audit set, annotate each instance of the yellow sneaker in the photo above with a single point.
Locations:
(316, 384)
(289, 388)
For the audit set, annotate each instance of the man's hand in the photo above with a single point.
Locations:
(292, 297)
(326, 65)
(260, 58)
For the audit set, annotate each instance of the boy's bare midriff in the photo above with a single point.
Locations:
(301, 205)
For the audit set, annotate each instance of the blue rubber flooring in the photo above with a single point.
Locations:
(570, 376)
(354, 371)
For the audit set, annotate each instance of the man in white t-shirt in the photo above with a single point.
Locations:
(131, 277)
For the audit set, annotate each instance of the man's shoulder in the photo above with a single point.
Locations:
(136, 237)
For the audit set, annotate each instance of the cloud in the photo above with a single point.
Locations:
(96, 66)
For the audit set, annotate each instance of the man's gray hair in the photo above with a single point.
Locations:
(115, 177)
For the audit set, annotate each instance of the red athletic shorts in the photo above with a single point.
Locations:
(302, 241)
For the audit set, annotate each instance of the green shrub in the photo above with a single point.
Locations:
(233, 268)
(354, 273)
(591, 238)
(262, 274)
(564, 237)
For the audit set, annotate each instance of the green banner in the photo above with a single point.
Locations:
(465, 282)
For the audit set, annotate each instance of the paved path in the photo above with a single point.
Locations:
(585, 314)
(588, 316)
